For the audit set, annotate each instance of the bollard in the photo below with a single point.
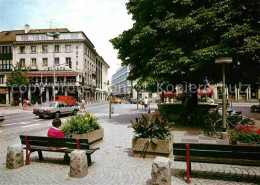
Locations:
(188, 163)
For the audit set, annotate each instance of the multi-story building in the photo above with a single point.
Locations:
(122, 86)
(76, 63)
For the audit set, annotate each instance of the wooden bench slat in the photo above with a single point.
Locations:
(36, 148)
(41, 138)
(215, 147)
(57, 144)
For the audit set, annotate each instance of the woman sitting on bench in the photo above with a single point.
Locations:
(55, 131)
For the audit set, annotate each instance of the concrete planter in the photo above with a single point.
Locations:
(92, 137)
(144, 148)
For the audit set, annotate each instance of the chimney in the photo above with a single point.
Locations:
(27, 28)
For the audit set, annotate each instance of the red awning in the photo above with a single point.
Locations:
(205, 91)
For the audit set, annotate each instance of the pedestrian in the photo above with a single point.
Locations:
(146, 102)
(24, 104)
(82, 105)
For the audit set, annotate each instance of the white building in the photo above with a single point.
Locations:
(75, 63)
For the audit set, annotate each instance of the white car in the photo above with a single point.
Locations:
(55, 109)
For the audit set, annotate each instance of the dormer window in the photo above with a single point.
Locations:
(7, 33)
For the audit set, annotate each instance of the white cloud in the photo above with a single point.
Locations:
(101, 20)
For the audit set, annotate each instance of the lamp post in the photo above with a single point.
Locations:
(54, 35)
(223, 61)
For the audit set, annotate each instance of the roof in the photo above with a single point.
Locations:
(10, 36)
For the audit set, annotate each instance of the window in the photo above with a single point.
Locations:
(1, 79)
(77, 62)
(5, 49)
(77, 47)
(77, 52)
(7, 33)
(68, 48)
(44, 49)
(33, 62)
(22, 49)
(35, 37)
(57, 49)
(45, 62)
(74, 36)
(22, 61)
(24, 37)
(33, 49)
(44, 37)
(68, 61)
(57, 61)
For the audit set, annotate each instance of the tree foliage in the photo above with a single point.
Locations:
(178, 41)
(17, 76)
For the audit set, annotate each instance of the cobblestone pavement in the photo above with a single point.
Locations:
(114, 163)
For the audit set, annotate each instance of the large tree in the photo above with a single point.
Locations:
(17, 77)
(177, 41)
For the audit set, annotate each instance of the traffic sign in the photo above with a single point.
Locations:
(21, 92)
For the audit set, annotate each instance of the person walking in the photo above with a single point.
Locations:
(146, 102)
(82, 105)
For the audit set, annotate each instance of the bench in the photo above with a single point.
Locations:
(215, 153)
(41, 143)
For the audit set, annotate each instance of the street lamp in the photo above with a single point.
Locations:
(54, 35)
(223, 61)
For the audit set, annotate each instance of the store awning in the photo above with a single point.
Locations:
(2, 91)
(205, 91)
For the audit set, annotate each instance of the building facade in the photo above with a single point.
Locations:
(122, 86)
(78, 72)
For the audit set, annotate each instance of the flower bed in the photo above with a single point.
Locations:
(244, 134)
(83, 127)
(152, 135)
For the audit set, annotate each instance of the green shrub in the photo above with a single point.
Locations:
(80, 124)
(152, 126)
(244, 134)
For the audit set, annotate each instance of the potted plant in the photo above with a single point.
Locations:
(152, 135)
(83, 127)
(244, 135)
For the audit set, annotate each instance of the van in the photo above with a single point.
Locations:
(69, 99)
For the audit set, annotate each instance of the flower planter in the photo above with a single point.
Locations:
(143, 147)
(92, 137)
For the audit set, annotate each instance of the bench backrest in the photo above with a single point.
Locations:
(250, 152)
(71, 143)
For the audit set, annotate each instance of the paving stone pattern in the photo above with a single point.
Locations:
(114, 163)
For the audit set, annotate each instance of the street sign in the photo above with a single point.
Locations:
(21, 92)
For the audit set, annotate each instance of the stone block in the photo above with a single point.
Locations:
(14, 158)
(161, 171)
(78, 164)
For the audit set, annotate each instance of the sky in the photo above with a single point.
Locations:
(100, 20)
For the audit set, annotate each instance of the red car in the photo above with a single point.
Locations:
(69, 99)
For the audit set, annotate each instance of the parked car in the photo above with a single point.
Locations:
(69, 99)
(255, 108)
(55, 109)
(115, 100)
(2, 118)
(134, 101)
